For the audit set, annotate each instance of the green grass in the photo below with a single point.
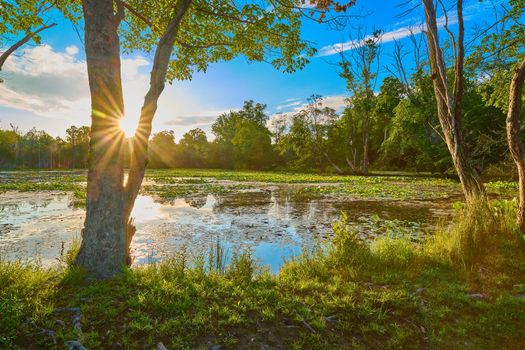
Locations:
(462, 289)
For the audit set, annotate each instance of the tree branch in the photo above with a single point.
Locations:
(18, 44)
(157, 82)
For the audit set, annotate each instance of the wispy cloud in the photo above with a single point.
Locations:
(396, 34)
(206, 117)
(50, 83)
(288, 105)
(337, 102)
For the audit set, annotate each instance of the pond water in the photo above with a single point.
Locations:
(274, 222)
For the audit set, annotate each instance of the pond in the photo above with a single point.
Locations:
(273, 221)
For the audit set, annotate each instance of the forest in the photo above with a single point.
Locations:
(403, 134)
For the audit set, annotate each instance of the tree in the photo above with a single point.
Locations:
(308, 135)
(513, 135)
(77, 145)
(194, 148)
(501, 57)
(244, 138)
(252, 146)
(161, 149)
(185, 35)
(360, 73)
(449, 100)
(8, 141)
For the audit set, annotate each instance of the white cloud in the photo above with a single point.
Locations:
(204, 117)
(288, 105)
(45, 82)
(396, 34)
(337, 102)
(54, 84)
(72, 50)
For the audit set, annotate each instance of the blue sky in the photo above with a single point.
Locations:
(46, 86)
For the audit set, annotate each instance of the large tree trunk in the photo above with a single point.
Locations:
(104, 241)
(513, 136)
(108, 231)
(449, 105)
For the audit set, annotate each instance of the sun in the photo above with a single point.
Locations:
(128, 126)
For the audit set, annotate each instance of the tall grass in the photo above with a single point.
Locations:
(480, 230)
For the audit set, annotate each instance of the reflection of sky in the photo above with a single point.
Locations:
(273, 255)
(274, 225)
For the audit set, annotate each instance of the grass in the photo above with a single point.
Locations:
(462, 288)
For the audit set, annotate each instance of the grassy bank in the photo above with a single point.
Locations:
(462, 288)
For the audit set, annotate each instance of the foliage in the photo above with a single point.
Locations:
(22, 17)
(220, 31)
(306, 145)
(38, 149)
(244, 138)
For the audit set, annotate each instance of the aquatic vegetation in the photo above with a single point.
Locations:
(502, 187)
(186, 189)
(161, 175)
(393, 186)
(389, 189)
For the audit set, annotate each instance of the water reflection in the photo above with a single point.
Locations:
(273, 223)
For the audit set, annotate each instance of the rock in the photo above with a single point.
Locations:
(76, 323)
(75, 310)
(160, 346)
(216, 347)
(418, 291)
(422, 303)
(477, 296)
(74, 345)
(332, 318)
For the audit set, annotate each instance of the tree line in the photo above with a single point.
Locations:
(398, 132)
(37, 149)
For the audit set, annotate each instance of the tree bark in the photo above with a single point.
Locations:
(139, 156)
(108, 229)
(514, 139)
(103, 249)
(449, 105)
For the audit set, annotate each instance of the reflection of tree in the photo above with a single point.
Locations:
(196, 201)
(9, 207)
